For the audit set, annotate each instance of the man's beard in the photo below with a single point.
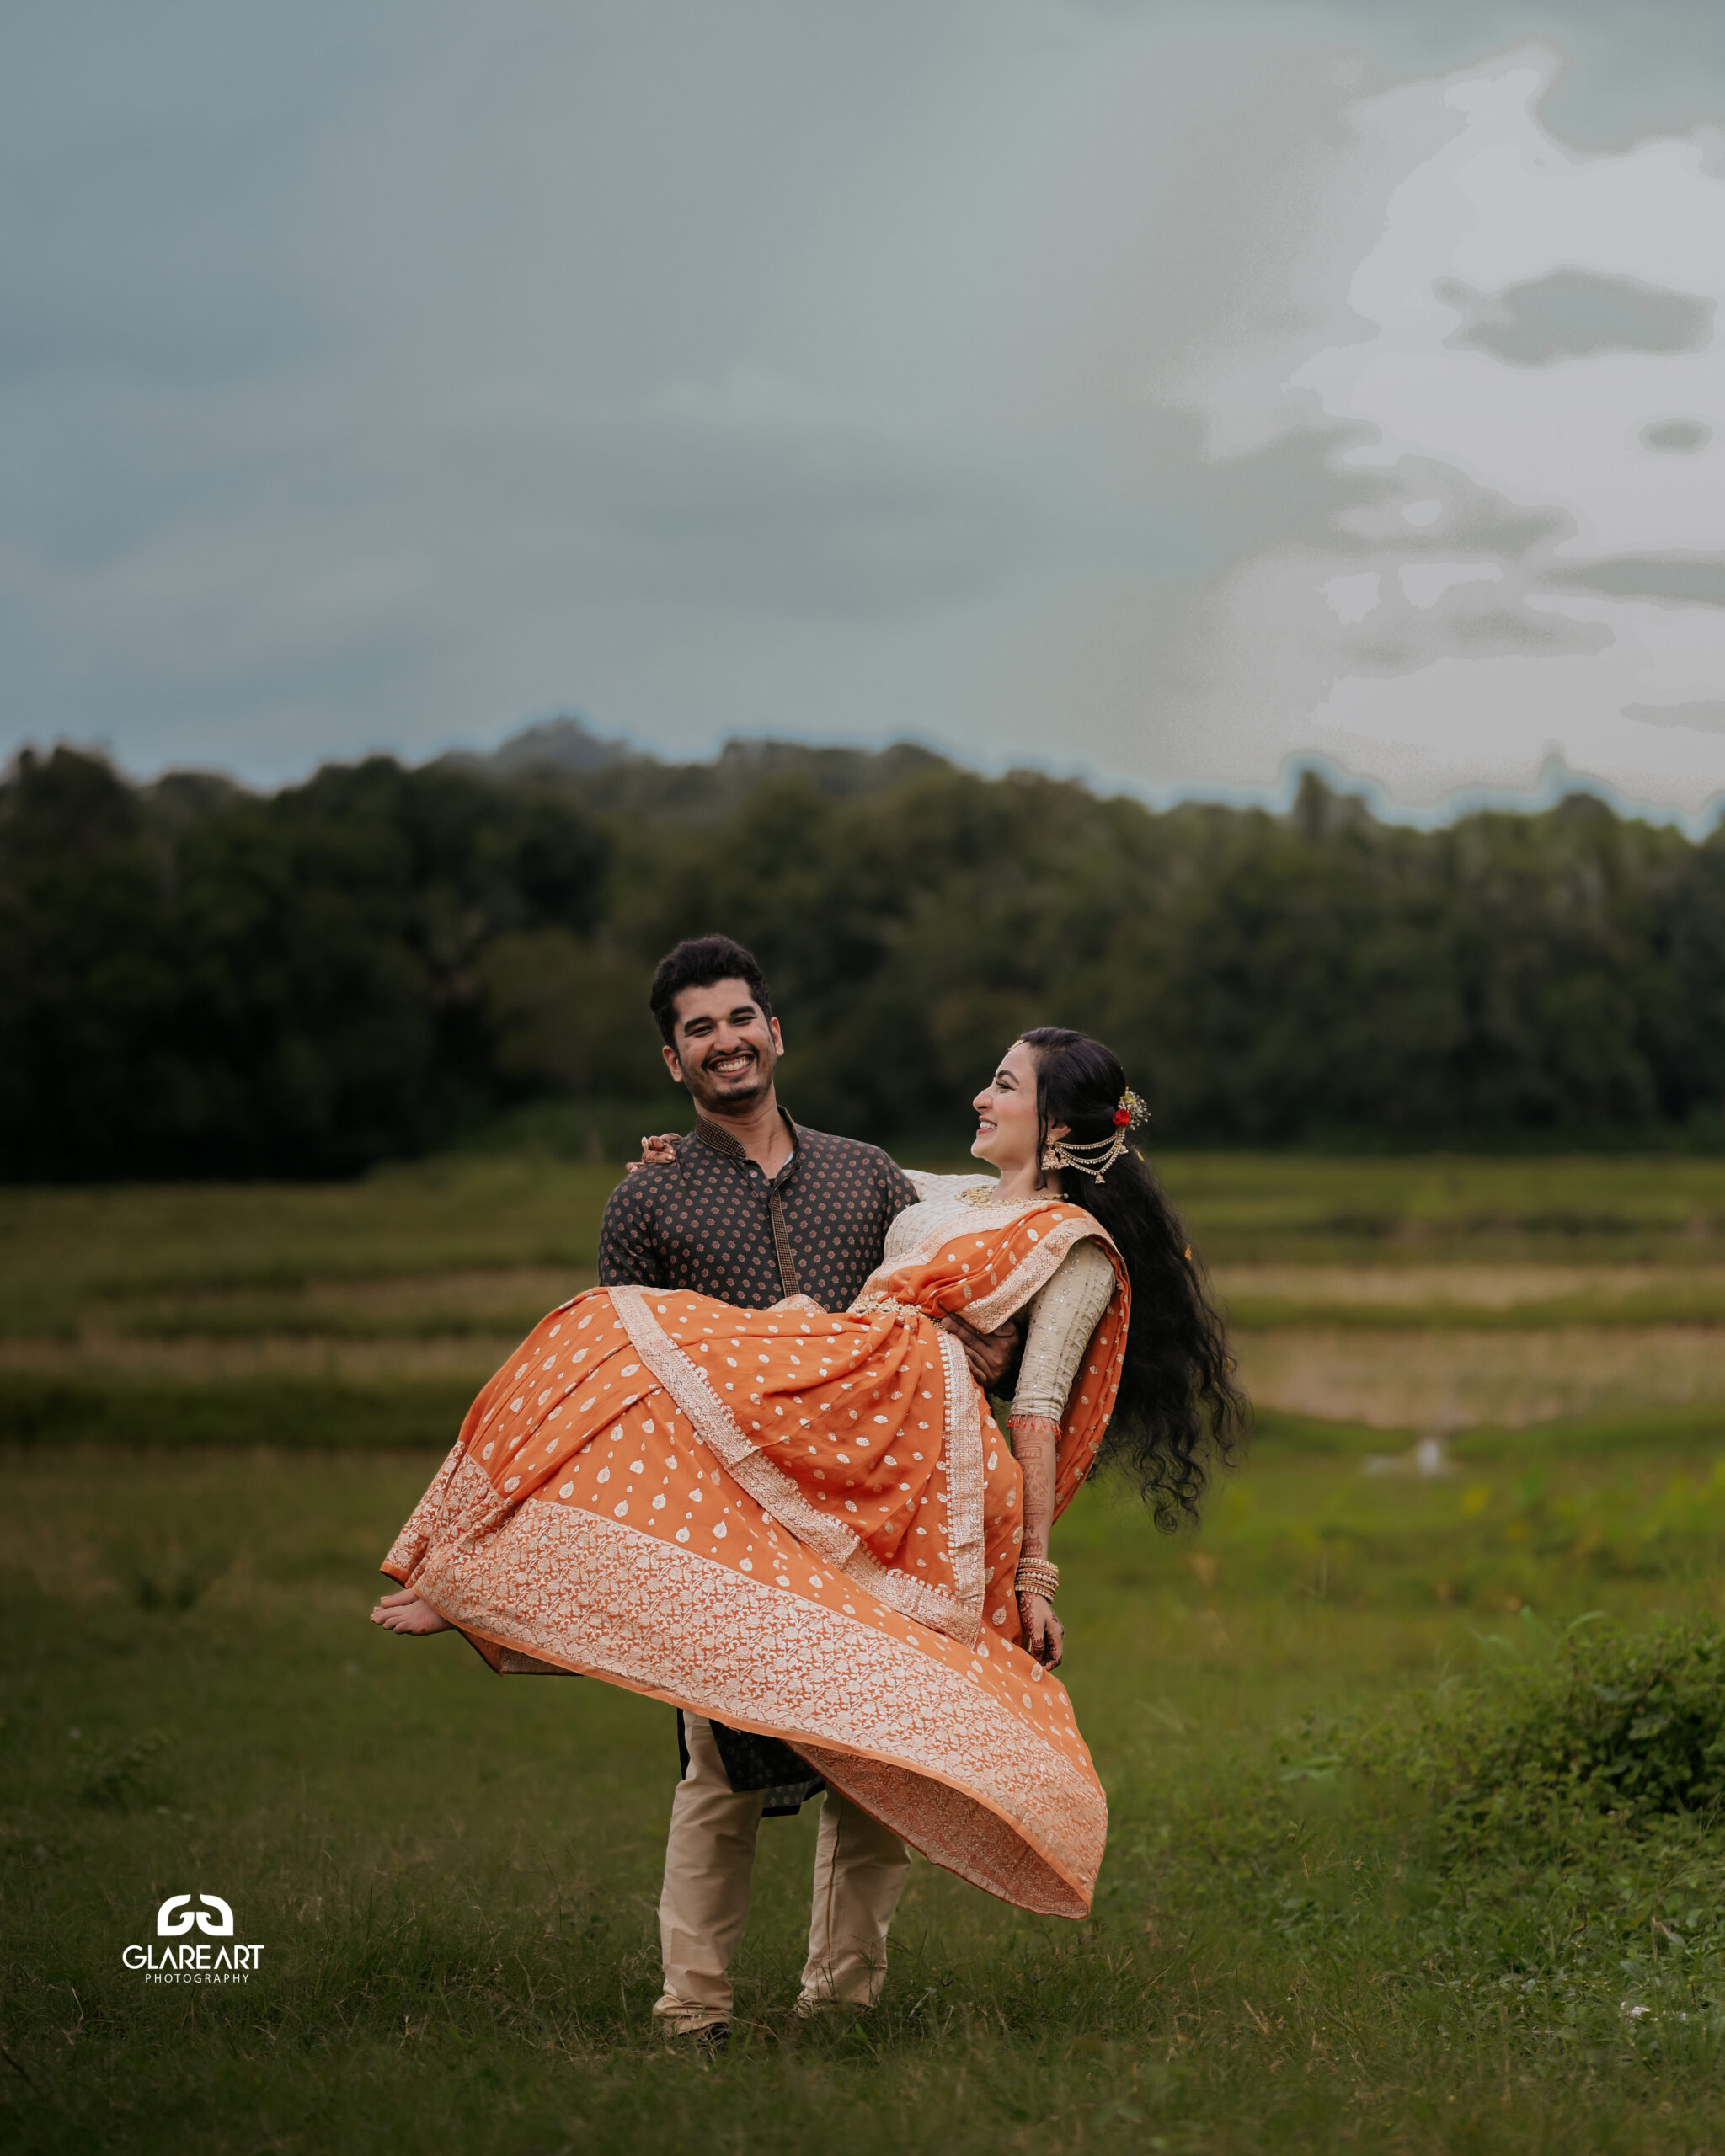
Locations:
(743, 1090)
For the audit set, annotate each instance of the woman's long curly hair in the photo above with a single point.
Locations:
(1178, 1408)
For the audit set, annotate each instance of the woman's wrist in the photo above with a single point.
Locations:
(1037, 1576)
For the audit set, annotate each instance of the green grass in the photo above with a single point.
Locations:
(1255, 1207)
(217, 1404)
(453, 1875)
(65, 1252)
(467, 1212)
(57, 1414)
(1673, 1301)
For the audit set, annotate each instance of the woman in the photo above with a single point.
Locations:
(806, 1524)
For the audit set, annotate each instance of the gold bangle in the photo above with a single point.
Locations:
(1037, 1575)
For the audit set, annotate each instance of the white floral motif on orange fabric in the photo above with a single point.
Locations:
(789, 1520)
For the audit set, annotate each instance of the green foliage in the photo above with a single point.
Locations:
(198, 981)
(195, 980)
(1574, 1791)
(1594, 1723)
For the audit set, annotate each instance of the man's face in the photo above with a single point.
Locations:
(722, 1047)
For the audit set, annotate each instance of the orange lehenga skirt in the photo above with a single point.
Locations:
(803, 1524)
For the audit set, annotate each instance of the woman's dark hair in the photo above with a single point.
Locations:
(698, 961)
(1178, 1405)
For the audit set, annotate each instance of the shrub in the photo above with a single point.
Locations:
(1594, 1724)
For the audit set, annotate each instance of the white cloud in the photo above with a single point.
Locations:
(1425, 583)
(1475, 203)
(1351, 598)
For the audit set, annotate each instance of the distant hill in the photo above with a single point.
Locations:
(565, 745)
(611, 777)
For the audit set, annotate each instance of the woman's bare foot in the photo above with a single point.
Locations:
(404, 1612)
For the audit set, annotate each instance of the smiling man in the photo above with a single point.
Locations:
(750, 1207)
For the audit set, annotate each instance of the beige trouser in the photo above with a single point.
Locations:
(859, 1874)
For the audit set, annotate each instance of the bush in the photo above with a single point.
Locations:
(1593, 1724)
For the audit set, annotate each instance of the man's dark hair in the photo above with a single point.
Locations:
(698, 961)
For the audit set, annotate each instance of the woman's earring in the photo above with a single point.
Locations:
(1051, 1156)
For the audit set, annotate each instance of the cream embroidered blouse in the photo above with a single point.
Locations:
(1062, 1314)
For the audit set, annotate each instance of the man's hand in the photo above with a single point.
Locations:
(658, 1152)
(989, 1354)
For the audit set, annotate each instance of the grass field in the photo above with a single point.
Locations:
(218, 1406)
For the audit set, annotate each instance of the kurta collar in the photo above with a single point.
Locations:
(715, 1136)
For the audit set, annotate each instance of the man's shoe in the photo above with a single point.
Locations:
(712, 2039)
(831, 2010)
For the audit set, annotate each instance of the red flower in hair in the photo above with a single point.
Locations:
(1122, 1118)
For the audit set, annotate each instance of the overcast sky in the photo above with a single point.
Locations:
(1168, 391)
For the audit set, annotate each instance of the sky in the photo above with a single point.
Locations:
(1173, 391)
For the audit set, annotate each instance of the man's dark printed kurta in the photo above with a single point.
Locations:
(710, 1220)
(706, 1220)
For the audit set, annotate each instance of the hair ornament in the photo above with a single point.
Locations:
(1095, 1160)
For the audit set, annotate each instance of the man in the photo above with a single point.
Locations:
(751, 1206)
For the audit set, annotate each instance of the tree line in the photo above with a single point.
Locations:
(196, 980)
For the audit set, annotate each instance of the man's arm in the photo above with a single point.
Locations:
(628, 1243)
(900, 1190)
(991, 1355)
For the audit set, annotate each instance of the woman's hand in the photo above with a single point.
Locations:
(1044, 1636)
(658, 1152)
(404, 1612)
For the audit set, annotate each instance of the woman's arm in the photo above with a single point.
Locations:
(1036, 1440)
(1063, 1317)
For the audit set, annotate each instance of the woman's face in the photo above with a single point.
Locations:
(1006, 1113)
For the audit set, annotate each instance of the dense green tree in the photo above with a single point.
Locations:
(286, 985)
(196, 979)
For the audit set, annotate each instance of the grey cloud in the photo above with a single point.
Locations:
(1486, 521)
(1676, 434)
(1474, 619)
(1572, 313)
(1286, 490)
(1461, 521)
(1685, 580)
(1702, 717)
(276, 277)
(1505, 632)
(767, 502)
(1652, 69)
(823, 516)
(1383, 655)
(1471, 620)
(1470, 518)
